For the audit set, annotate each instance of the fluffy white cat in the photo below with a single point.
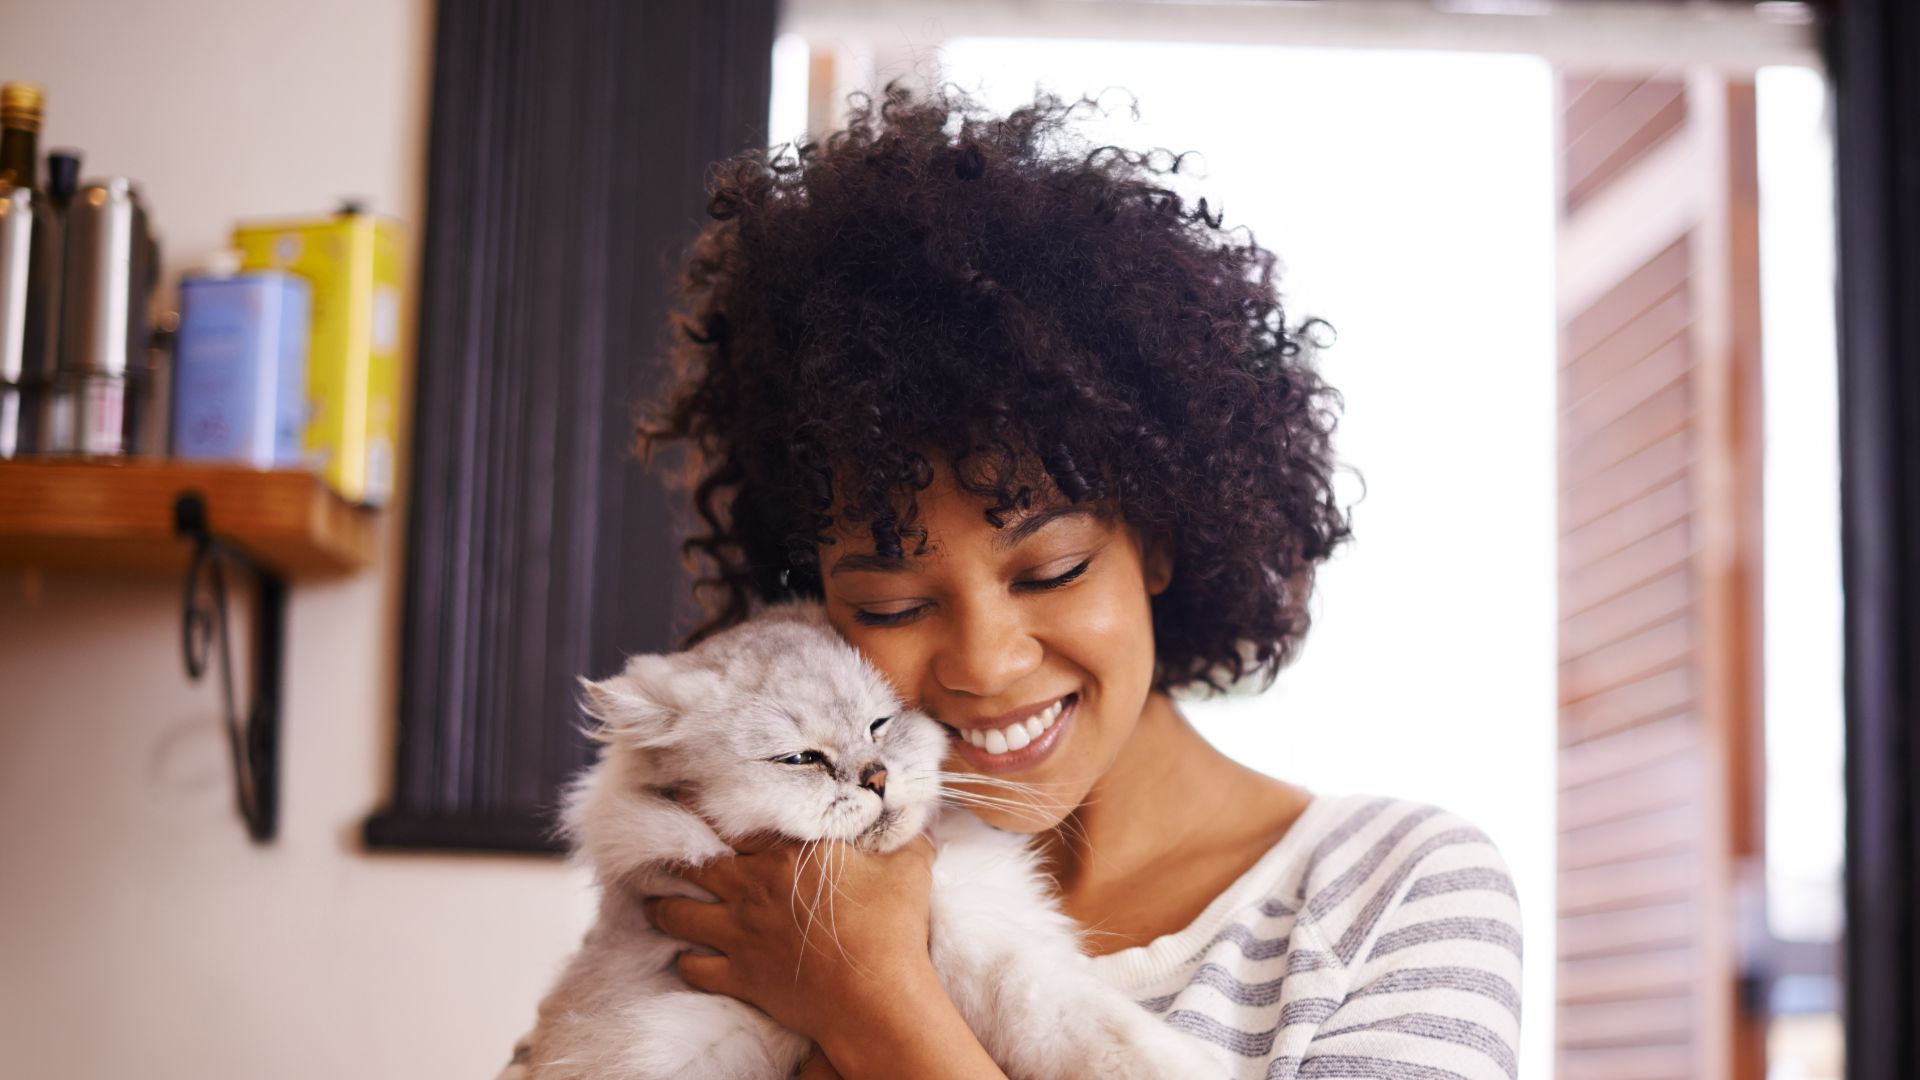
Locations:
(779, 725)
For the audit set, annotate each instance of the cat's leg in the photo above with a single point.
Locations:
(1044, 1015)
(621, 1012)
(1013, 966)
(696, 1035)
(1109, 1034)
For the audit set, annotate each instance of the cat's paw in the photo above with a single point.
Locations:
(1143, 1047)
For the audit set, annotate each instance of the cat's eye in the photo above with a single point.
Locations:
(873, 729)
(804, 757)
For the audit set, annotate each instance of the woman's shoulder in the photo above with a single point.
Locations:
(1350, 869)
(1407, 914)
(1370, 875)
(1345, 840)
(1353, 867)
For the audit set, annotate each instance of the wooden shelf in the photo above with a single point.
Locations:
(117, 517)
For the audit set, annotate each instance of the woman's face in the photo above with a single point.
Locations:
(1032, 643)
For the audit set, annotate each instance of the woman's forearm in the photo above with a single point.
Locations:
(912, 1030)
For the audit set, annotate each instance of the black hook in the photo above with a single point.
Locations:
(254, 744)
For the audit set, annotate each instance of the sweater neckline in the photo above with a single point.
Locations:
(1142, 966)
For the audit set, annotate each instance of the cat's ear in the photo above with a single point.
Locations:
(642, 705)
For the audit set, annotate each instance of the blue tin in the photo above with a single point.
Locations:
(240, 369)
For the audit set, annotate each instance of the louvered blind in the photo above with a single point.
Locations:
(1659, 486)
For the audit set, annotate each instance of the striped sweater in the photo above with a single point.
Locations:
(1379, 938)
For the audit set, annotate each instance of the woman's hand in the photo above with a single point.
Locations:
(816, 1067)
(821, 937)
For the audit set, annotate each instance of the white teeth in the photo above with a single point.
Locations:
(1015, 736)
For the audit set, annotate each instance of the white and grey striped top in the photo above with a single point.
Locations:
(1379, 938)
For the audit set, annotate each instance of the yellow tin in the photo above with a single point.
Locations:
(352, 262)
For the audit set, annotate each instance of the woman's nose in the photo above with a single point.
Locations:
(989, 651)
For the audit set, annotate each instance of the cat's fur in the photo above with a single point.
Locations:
(689, 739)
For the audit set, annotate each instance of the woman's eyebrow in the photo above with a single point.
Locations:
(1012, 536)
(867, 561)
(1036, 521)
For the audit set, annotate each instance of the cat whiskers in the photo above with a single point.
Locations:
(1040, 805)
(793, 894)
(950, 781)
(1036, 793)
(832, 874)
(833, 919)
(808, 850)
(1017, 809)
(994, 781)
(826, 892)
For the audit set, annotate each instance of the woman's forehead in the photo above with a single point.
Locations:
(971, 516)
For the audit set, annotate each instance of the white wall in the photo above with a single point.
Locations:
(141, 934)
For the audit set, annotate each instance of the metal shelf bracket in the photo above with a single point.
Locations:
(254, 742)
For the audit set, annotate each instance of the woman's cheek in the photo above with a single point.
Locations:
(1108, 631)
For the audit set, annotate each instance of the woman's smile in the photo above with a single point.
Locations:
(1016, 746)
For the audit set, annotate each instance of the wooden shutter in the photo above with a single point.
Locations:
(1659, 576)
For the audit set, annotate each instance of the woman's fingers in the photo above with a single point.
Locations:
(691, 921)
(709, 973)
(719, 876)
(745, 876)
(781, 946)
(756, 843)
(816, 1067)
(710, 875)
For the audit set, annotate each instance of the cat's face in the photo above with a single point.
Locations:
(777, 726)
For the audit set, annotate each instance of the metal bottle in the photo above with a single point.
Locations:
(29, 306)
(29, 246)
(111, 266)
(16, 245)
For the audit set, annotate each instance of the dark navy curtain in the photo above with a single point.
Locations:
(567, 157)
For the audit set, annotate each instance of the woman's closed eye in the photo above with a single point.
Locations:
(1056, 581)
(896, 618)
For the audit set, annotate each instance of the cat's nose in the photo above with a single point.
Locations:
(874, 778)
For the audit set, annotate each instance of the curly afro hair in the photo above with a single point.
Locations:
(936, 282)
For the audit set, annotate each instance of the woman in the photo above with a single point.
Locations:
(1038, 434)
